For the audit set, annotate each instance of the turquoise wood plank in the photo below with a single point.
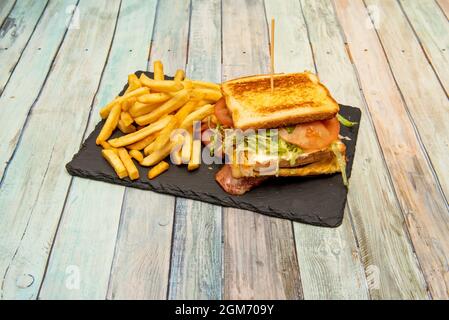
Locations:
(428, 106)
(259, 251)
(15, 33)
(92, 211)
(30, 75)
(432, 28)
(196, 253)
(141, 264)
(5, 9)
(336, 272)
(35, 185)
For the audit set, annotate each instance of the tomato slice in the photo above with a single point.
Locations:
(313, 135)
(222, 113)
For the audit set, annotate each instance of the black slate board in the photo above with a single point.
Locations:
(314, 200)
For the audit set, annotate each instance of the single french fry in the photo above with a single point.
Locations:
(158, 70)
(136, 154)
(104, 112)
(128, 103)
(168, 107)
(133, 83)
(156, 156)
(207, 94)
(141, 134)
(158, 169)
(161, 85)
(115, 162)
(208, 85)
(186, 152)
(197, 115)
(180, 75)
(140, 145)
(154, 98)
(126, 118)
(133, 173)
(140, 109)
(105, 145)
(195, 156)
(187, 84)
(149, 149)
(124, 128)
(110, 124)
(175, 154)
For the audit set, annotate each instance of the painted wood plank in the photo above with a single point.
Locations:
(196, 263)
(35, 184)
(428, 106)
(328, 259)
(432, 28)
(411, 173)
(15, 33)
(147, 255)
(259, 252)
(92, 211)
(375, 212)
(20, 93)
(5, 8)
(444, 5)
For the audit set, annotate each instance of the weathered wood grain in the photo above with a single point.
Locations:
(375, 212)
(15, 33)
(35, 185)
(259, 252)
(328, 260)
(147, 255)
(411, 173)
(432, 28)
(196, 263)
(88, 230)
(429, 108)
(34, 65)
(444, 5)
(5, 9)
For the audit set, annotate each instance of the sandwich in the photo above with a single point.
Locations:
(293, 131)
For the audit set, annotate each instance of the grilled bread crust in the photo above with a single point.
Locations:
(297, 98)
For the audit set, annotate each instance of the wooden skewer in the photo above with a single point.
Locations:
(272, 54)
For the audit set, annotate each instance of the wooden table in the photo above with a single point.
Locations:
(65, 237)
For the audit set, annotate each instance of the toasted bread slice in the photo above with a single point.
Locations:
(297, 98)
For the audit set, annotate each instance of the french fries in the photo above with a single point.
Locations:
(133, 173)
(115, 162)
(158, 70)
(110, 124)
(161, 85)
(126, 118)
(133, 83)
(152, 98)
(156, 156)
(136, 154)
(207, 94)
(141, 134)
(104, 112)
(195, 155)
(156, 117)
(140, 145)
(179, 75)
(197, 115)
(124, 128)
(158, 169)
(170, 106)
(208, 85)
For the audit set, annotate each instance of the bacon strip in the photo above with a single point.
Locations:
(236, 186)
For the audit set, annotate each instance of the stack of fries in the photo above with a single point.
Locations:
(157, 118)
